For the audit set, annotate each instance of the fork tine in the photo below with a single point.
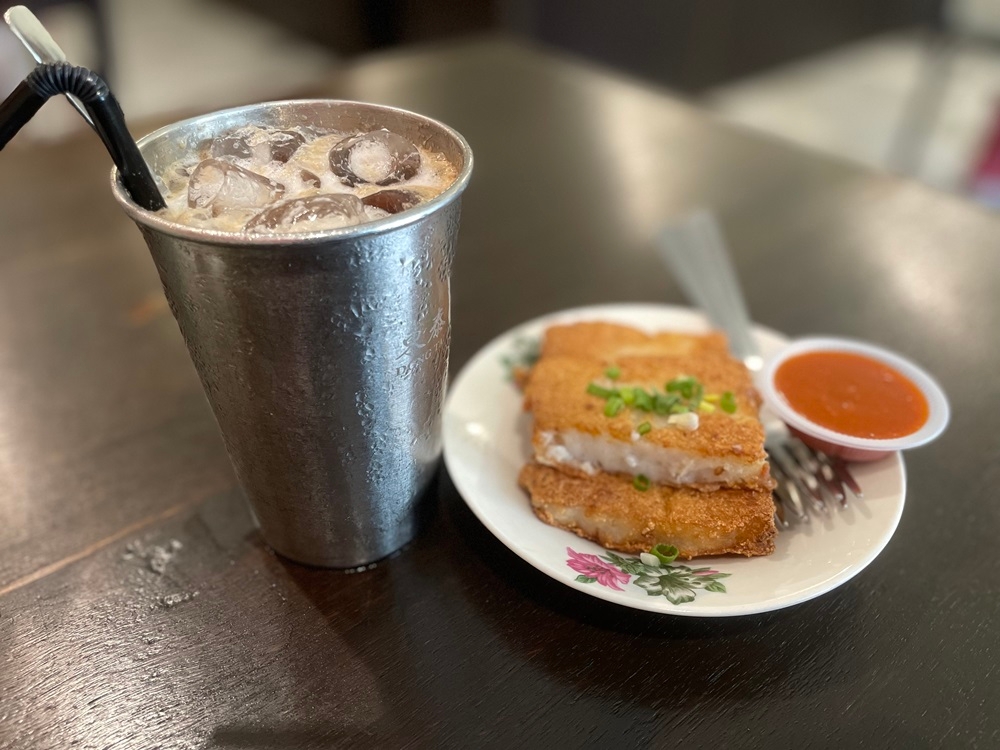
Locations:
(828, 478)
(797, 482)
(807, 459)
(835, 490)
(836, 471)
(779, 512)
(839, 467)
(831, 484)
(789, 494)
(802, 478)
(821, 466)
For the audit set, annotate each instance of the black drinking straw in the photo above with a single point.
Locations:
(51, 79)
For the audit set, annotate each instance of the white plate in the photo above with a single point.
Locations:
(486, 442)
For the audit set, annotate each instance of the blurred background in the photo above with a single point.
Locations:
(908, 86)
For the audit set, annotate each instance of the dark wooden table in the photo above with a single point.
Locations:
(108, 452)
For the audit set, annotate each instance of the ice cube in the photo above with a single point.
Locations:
(309, 178)
(311, 214)
(392, 201)
(284, 143)
(380, 157)
(257, 144)
(175, 177)
(220, 186)
(374, 214)
(236, 145)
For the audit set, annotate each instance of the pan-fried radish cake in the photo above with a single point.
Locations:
(670, 418)
(675, 408)
(621, 515)
(609, 342)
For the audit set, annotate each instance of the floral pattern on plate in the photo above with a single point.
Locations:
(679, 584)
(522, 355)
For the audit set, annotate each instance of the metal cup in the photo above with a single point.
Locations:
(324, 356)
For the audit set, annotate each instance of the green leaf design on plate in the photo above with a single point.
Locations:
(678, 584)
(673, 584)
(525, 351)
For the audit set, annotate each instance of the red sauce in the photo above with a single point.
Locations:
(852, 394)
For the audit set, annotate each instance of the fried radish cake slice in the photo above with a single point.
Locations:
(708, 447)
(609, 342)
(609, 510)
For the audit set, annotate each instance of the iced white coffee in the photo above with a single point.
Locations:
(267, 181)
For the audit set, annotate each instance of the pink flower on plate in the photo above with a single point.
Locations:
(592, 566)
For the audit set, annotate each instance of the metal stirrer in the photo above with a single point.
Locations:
(41, 45)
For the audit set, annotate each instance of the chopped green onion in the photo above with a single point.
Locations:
(687, 387)
(690, 389)
(665, 553)
(684, 395)
(595, 390)
(643, 400)
(614, 405)
(641, 482)
(728, 402)
(662, 403)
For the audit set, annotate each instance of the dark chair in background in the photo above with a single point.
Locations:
(689, 45)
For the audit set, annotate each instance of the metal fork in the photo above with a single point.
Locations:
(694, 250)
(807, 480)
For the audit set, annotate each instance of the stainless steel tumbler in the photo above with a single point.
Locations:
(324, 356)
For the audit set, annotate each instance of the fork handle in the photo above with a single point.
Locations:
(695, 251)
